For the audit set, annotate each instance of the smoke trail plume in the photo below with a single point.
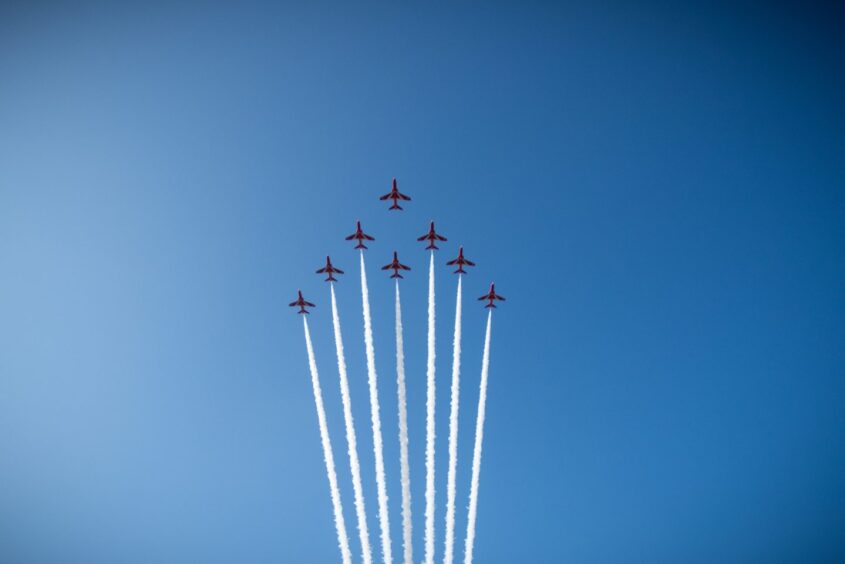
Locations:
(378, 447)
(429, 423)
(453, 433)
(479, 438)
(351, 439)
(340, 524)
(403, 434)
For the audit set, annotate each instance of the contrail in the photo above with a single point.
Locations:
(403, 434)
(453, 432)
(340, 524)
(378, 447)
(351, 440)
(429, 423)
(479, 438)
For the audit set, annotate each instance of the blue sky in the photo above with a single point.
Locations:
(657, 189)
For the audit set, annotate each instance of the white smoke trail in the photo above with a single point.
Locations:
(351, 439)
(340, 524)
(403, 434)
(378, 447)
(453, 433)
(429, 423)
(479, 438)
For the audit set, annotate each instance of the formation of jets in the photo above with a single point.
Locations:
(432, 238)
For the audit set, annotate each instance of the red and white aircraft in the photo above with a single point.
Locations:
(460, 261)
(395, 195)
(491, 295)
(330, 270)
(432, 238)
(396, 266)
(301, 303)
(360, 236)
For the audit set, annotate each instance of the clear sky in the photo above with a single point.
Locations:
(656, 188)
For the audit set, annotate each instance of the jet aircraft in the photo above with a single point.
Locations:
(395, 195)
(360, 236)
(396, 266)
(330, 270)
(491, 295)
(301, 303)
(461, 262)
(432, 237)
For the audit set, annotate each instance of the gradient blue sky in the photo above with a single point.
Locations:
(656, 188)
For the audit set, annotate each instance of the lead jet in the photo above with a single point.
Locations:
(301, 303)
(432, 237)
(491, 295)
(330, 270)
(395, 195)
(460, 261)
(396, 266)
(360, 236)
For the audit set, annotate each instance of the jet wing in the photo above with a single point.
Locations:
(387, 267)
(322, 270)
(403, 197)
(386, 196)
(440, 237)
(403, 267)
(469, 262)
(309, 304)
(368, 238)
(351, 237)
(423, 238)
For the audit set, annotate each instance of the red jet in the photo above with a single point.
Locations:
(460, 261)
(491, 295)
(330, 270)
(395, 195)
(360, 236)
(432, 238)
(301, 303)
(396, 266)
